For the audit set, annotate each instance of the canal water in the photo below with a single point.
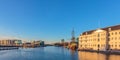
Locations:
(53, 53)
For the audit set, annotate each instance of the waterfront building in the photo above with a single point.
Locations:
(18, 42)
(33, 44)
(36, 43)
(27, 45)
(103, 39)
(6, 42)
(42, 43)
(10, 42)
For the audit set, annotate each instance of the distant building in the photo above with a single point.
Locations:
(36, 43)
(101, 39)
(27, 45)
(33, 44)
(10, 42)
(17, 42)
(42, 43)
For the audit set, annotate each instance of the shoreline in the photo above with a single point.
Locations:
(115, 52)
(8, 48)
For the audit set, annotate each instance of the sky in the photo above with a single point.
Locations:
(53, 20)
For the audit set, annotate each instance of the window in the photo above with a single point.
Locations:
(112, 38)
(98, 39)
(115, 33)
(111, 33)
(112, 45)
(98, 35)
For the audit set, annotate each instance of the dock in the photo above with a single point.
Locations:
(8, 48)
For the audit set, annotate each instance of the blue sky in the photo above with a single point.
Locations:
(52, 20)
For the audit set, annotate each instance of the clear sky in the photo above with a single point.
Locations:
(52, 20)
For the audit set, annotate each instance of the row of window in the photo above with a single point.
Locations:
(90, 37)
(111, 46)
(114, 45)
(115, 38)
(103, 34)
(103, 45)
(114, 42)
(112, 38)
(114, 33)
(104, 38)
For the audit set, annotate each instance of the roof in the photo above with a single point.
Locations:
(116, 27)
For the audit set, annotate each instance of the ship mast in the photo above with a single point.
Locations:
(73, 36)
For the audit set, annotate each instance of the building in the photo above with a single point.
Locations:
(42, 43)
(10, 42)
(103, 39)
(27, 45)
(33, 44)
(17, 42)
(6, 42)
(36, 43)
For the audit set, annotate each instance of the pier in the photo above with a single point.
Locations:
(8, 48)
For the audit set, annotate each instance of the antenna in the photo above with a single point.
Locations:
(99, 23)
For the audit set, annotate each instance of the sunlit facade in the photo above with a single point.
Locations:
(101, 39)
(6, 42)
(33, 44)
(9, 42)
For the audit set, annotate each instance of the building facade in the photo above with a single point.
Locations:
(10, 42)
(33, 44)
(101, 39)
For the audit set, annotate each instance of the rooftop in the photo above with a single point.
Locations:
(116, 27)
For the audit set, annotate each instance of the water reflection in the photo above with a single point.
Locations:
(53, 53)
(73, 54)
(96, 56)
(47, 53)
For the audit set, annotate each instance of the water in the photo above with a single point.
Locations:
(96, 56)
(43, 53)
(53, 53)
